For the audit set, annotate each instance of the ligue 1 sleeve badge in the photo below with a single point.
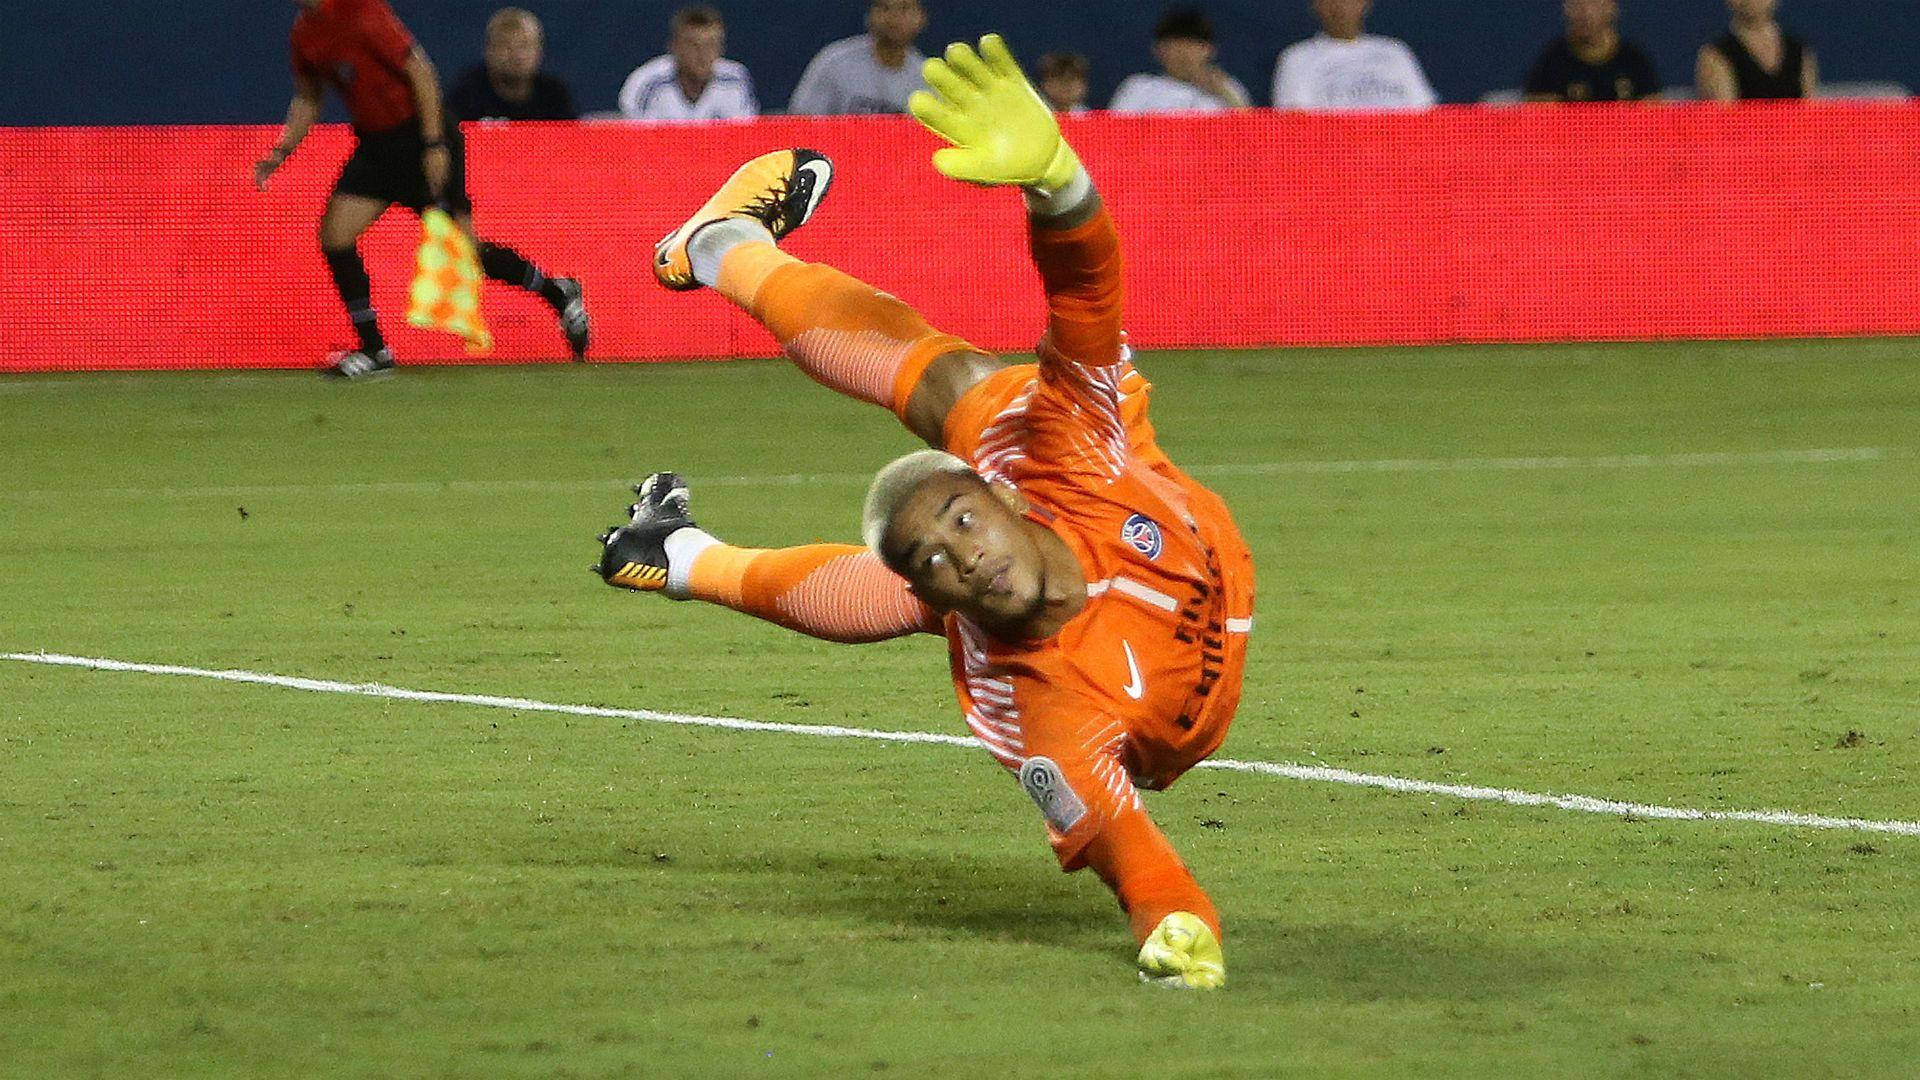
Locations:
(1142, 534)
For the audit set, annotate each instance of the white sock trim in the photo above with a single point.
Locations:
(710, 245)
(683, 546)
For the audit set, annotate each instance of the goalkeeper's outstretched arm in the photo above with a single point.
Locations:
(1004, 134)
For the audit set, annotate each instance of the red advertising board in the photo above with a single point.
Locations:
(150, 248)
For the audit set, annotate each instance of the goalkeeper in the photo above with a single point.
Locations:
(1095, 599)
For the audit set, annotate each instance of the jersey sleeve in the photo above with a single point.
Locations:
(631, 92)
(1423, 93)
(1076, 427)
(1290, 80)
(1070, 766)
(385, 36)
(1126, 98)
(1069, 756)
(749, 100)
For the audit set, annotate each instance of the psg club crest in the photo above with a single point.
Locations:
(1142, 535)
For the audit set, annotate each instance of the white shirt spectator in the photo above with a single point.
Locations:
(1369, 72)
(653, 92)
(1165, 94)
(845, 78)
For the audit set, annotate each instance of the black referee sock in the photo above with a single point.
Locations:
(502, 263)
(356, 292)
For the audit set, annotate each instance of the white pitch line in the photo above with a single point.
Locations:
(1585, 804)
(1533, 464)
(424, 487)
(1827, 456)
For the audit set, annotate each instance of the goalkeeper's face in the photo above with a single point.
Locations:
(965, 546)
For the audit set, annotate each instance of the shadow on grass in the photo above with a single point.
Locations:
(1359, 963)
(995, 893)
(949, 894)
(958, 895)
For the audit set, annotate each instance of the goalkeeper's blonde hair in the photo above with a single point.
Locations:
(893, 483)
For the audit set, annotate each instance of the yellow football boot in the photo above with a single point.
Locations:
(1183, 953)
(779, 190)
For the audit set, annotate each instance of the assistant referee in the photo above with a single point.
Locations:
(406, 151)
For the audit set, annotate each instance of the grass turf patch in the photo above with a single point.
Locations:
(205, 879)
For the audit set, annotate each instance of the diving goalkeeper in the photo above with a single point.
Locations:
(1095, 599)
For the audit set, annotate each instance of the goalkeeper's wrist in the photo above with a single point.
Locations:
(1061, 168)
(1061, 198)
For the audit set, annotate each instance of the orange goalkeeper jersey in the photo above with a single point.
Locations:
(1143, 682)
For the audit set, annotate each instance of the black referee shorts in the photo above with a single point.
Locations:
(386, 166)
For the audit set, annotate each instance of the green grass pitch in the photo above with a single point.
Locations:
(213, 880)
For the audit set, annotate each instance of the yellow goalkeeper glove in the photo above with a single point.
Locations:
(1002, 133)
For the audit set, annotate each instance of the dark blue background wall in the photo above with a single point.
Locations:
(75, 62)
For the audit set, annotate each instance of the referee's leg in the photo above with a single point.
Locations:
(345, 218)
(509, 267)
(505, 265)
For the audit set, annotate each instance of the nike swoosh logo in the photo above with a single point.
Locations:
(822, 174)
(1138, 686)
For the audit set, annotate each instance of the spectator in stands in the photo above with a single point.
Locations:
(873, 72)
(1591, 62)
(1062, 79)
(1755, 59)
(509, 84)
(693, 81)
(1192, 82)
(1342, 67)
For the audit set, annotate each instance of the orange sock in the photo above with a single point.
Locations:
(843, 333)
(838, 592)
(1139, 864)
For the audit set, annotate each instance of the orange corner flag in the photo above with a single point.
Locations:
(446, 283)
